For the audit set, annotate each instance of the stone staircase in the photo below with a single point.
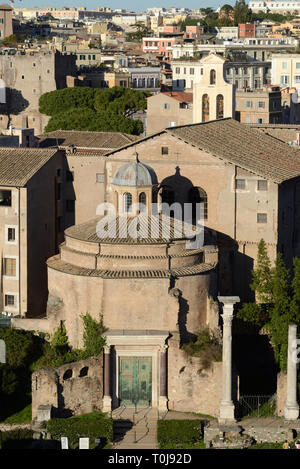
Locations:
(135, 429)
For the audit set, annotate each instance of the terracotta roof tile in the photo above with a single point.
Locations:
(85, 139)
(18, 165)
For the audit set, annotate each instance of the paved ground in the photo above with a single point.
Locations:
(135, 430)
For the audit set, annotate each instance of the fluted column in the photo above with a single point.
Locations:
(163, 386)
(291, 409)
(226, 405)
(107, 400)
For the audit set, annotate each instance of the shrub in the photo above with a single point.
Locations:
(207, 346)
(15, 439)
(179, 431)
(94, 425)
(93, 335)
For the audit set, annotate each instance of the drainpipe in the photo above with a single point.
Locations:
(234, 221)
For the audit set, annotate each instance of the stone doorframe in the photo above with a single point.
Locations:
(135, 343)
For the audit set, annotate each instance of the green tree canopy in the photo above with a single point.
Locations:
(242, 14)
(94, 109)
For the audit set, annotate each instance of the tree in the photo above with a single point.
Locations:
(258, 313)
(57, 101)
(60, 341)
(93, 335)
(262, 283)
(242, 14)
(280, 313)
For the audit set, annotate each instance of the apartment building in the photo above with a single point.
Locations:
(259, 106)
(242, 75)
(286, 70)
(159, 46)
(169, 109)
(31, 225)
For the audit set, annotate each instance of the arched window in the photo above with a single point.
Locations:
(142, 202)
(220, 106)
(212, 77)
(67, 375)
(198, 195)
(84, 371)
(127, 202)
(205, 108)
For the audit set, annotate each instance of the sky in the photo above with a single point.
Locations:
(135, 5)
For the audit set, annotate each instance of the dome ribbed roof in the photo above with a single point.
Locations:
(135, 174)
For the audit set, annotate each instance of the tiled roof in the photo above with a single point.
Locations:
(247, 148)
(240, 145)
(284, 132)
(57, 264)
(18, 165)
(86, 139)
(181, 96)
(153, 229)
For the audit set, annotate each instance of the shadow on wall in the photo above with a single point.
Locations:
(15, 103)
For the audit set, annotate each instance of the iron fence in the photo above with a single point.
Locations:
(256, 406)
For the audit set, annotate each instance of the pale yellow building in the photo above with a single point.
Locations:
(286, 70)
(213, 95)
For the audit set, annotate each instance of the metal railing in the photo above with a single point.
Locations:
(256, 406)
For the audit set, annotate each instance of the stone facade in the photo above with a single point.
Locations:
(71, 389)
(190, 387)
(281, 393)
(26, 77)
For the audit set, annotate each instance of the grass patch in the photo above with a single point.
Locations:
(93, 425)
(271, 446)
(16, 439)
(23, 416)
(180, 434)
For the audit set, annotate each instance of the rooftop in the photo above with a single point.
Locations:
(261, 154)
(18, 165)
(85, 139)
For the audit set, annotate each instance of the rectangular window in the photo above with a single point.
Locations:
(262, 185)
(100, 177)
(11, 235)
(191, 71)
(9, 300)
(284, 79)
(298, 65)
(284, 65)
(261, 104)
(172, 124)
(166, 106)
(70, 205)
(5, 198)
(240, 184)
(177, 70)
(249, 104)
(262, 218)
(164, 150)
(9, 267)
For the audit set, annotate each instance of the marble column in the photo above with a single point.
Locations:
(107, 400)
(163, 397)
(291, 409)
(226, 405)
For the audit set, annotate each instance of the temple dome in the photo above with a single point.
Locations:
(135, 174)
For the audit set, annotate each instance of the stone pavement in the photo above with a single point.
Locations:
(135, 429)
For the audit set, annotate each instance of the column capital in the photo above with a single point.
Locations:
(229, 300)
(163, 348)
(106, 349)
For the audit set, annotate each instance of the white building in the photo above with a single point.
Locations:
(271, 6)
